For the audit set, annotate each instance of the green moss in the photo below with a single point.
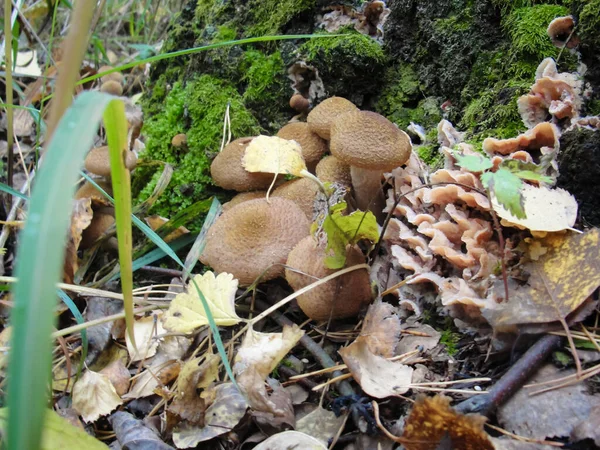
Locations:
(262, 73)
(589, 21)
(450, 338)
(337, 49)
(270, 16)
(401, 86)
(196, 109)
(430, 155)
(225, 33)
(527, 26)
(454, 24)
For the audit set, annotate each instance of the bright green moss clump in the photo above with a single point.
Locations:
(337, 50)
(271, 15)
(197, 109)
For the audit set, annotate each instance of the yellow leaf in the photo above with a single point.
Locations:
(145, 330)
(186, 312)
(94, 396)
(272, 154)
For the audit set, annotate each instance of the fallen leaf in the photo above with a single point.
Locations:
(81, 218)
(186, 312)
(118, 375)
(272, 154)
(275, 412)
(556, 413)
(545, 209)
(145, 330)
(506, 190)
(559, 282)
(377, 376)
(133, 434)
(94, 396)
(228, 408)
(432, 420)
(161, 372)
(297, 393)
(58, 433)
(320, 424)
(156, 221)
(381, 329)
(187, 404)
(409, 342)
(291, 440)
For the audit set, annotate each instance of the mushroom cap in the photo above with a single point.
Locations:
(101, 221)
(318, 303)
(228, 172)
(313, 147)
(368, 140)
(88, 190)
(244, 197)
(97, 161)
(252, 236)
(115, 76)
(330, 169)
(302, 192)
(299, 103)
(112, 87)
(179, 140)
(321, 117)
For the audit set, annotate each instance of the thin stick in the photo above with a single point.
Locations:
(8, 81)
(523, 438)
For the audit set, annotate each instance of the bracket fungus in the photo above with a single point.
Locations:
(342, 297)
(371, 145)
(255, 237)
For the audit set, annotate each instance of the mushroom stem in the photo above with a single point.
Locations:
(367, 190)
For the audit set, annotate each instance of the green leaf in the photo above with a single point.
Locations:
(473, 163)
(506, 187)
(526, 171)
(347, 230)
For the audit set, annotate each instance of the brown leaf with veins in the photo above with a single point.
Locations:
(81, 217)
(559, 282)
(381, 329)
(94, 396)
(432, 421)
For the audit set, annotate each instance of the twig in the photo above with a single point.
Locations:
(163, 271)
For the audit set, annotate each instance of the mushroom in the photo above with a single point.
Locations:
(560, 31)
(332, 170)
(88, 190)
(228, 172)
(255, 237)
(319, 119)
(102, 220)
(244, 197)
(299, 103)
(345, 300)
(98, 161)
(115, 76)
(112, 87)
(179, 140)
(302, 192)
(371, 145)
(313, 147)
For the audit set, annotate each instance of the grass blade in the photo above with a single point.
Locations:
(39, 265)
(79, 319)
(11, 191)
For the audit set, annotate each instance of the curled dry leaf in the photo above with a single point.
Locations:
(432, 420)
(81, 217)
(118, 375)
(133, 434)
(145, 331)
(289, 440)
(320, 424)
(94, 396)
(186, 312)
(381, 329)
(545, 209)
(228, 408)
(272, 154)
(377, 376)
(156, 221)
(559, 282)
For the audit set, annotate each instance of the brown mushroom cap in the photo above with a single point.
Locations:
(368, 140)
(318, 303)
(313, 147)
(320, 119)
(244, 197)
(179, 140)
(102, 220)
(302, 192)
(115, 76)
(252, 236)
(299, 103)
(330, 169)
(112, 87)
(228, 172)
(88, 190)
(98, 161)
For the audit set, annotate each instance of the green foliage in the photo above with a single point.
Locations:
(473, 163)
(527, 29)
(262, 73)
(347, 230)
(450, 338)
(197, 109)
(430, 155)
(271, 15)
(333, 51)
(589, 22)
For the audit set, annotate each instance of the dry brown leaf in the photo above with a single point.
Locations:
(320, 424)
(187, 404)
(156, 221)
(118, 375)
(94, 396)
(409, 342)
(290, 440)
(159, 373)
(559, 282)
(81, 217)
(275, 411)
(381, 329)
(145, 330)
(432, 419)
(377, 376)
(228, 408)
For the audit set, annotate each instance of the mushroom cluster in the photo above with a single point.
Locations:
(254, 237)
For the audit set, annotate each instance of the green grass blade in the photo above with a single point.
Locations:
(6, 188)
(39, 265)
(79, 319)
(115, 124)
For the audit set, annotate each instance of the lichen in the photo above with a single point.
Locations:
(197, 109)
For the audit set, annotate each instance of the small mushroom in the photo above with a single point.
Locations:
(332, 170)
(88, 190)
(228, 172)
(255, 237)
(299, 103)
(560, 31)
(179, 140)
(102, 220)
(98, 161)
(313, 147)
(371, 145)
(112, 87)
(342, 297)
(320, 119)
(302, 192)
(115, 76)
